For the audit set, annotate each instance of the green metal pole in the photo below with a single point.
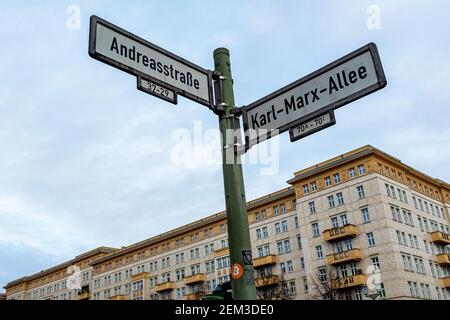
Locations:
(237, 219)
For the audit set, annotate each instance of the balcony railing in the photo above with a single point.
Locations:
(138, 293)
(349, 282)
(446, 282)
(196, 278)
(221, 252)
(166, 286)
(347, 231)
(440, 237)
(139, 276)
(443, 259)
(265, 261)
(345, 256)
(267, 281)
(83, 295)
(193, 296)
(118, 297)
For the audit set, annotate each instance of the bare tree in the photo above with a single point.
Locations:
(325, 286)
(273, 290)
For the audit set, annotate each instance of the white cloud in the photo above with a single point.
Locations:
(26, 224)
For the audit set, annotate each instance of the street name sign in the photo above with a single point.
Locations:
(157, 90)
(314, 125)
(335, 85)
(132, 54)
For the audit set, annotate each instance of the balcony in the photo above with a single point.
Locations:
(345, 256)
(166, 286)
(139, 276)
(350, 282)
(193, 296)
(138, 294)
(339, 233)
(265, 261)
(440, 237)
(443, 259)
(83, 295)
(267, 281)
(196, 278)
(118, 297)
(446, 282)
(221, 252)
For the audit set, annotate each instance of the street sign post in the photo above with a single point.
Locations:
(335, 85)
(314, 125)
(303, 107)
(130, 53)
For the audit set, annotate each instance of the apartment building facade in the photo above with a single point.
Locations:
(361, 225)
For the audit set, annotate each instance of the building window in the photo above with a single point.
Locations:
(375, 263)
(335, 222)
(405, 197)
(331, 203)
(210, 266)
(370, 239)
(282, 268)
(283, 208)
(223, 262)
(265, 232)
(351, 173)
(258, 234)
(319, 252)
(323, 274)
(257, 216)
(361, 169)
(305, 285)
(195, 269)
(280, 247)
(365, 215)
(361, 193)
(327, 181)
(263, 214)
(284, 226)
(393, 192)
(313, 186)
(302, 263)
(315, 229)
(340, 198)
(336, 178)
(381, 290)
(292, 289)
(277, 228)
(275, 211)
(294, 204)
(287, 246)
(299, 242)
(179, 274)
(297, 225)
(312, 207)
(305, 189)
(224, 243)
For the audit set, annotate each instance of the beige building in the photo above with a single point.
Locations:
(361, 225)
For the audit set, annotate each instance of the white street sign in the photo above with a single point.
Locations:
(156, 90)
(125, 51)
(335, 85)
(312, 126)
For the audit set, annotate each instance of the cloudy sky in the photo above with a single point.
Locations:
(85, 158)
